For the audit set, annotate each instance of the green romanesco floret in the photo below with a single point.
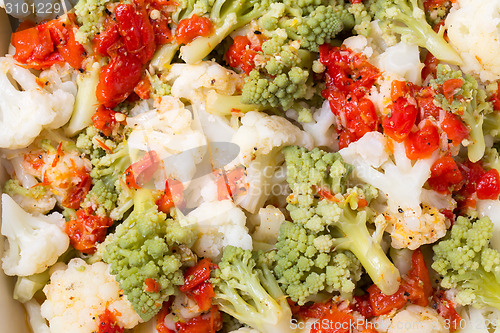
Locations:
(467, 263)
(13, 187)
(246, 289)
(469, 102)
(109, 195)
(145, 246)
(407, 19)
(225, 15)
(329, 240)
(90, 16)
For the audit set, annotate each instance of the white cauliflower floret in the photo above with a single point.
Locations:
(78, 294)
(491, 208)
(37, 323)
(34, 242)
(172, 133)
(220, 223)
(245, 330)
(30, 103)
(483, 320)
(473, 29)
(401, 181)
(193, 82)
(268, 221)
(401, 59)
(412, 319)
(261, 138)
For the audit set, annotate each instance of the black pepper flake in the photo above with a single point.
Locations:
(407, 294)
(81, 70)
(107, 11)
(400, 210)
(257, 32)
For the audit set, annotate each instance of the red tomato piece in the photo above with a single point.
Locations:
(78, 192)
(205, 323)
(87, 230)
(118, 79)
(488, 186)
(197, 274)
(425, 102)
(202, 294)
(136, 29)
(192, 27)
(382, 303)
(141, 172)
(445, 175)
(346, 138)
(430, 66)
(417, 283)
(423, 143)
(163, 34)
(472, 173)
(108, 324)
(334, 321)
(151, 286)
(242, 53)
(446, 310)
(230, 184)
(107, 39)
(495, 98)
(143, 88)
(315, 310)
(363, 306)
(104, 120)
(454, 128)
(173, 196)
(450, 88)
(160, 318)
(399, 122)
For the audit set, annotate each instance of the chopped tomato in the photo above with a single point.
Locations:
(107, 40)
(151, 285)
(87, 230)
(242, 53)
(205, 323)
(425, 102)
(399, 122)
(138, 34)
(430, 66)
(203, 295)
(104, 120)
(108, 324)
(141, 172)
(445, 175)
(346, 138)
(495, 98)
(422, 143)
(230, 184)
(160, 318)
(49, 43)
(363, 306)
(348, 71)
(315, 310)
(173, 196)
(435, 4)
(325, 193)
(334, 321)
(417, 283)
(143, 88)
(446, 310)
(488, 186)
(450, 88)
(454, 128)
(197, 274)
(77, 193)
(118, 78)
(382, 304)
(192, 27)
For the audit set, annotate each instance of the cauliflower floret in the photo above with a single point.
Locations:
(245, 330)
(483, 320)
(401, 182)
(172, 133)
(34, 242)
(194, 81)
(268, 221)
(401, 59)
(30, 103)
(37, 323)
(220, 223)
(491, 208)
(78, 294)
(412, 318)
(261, 138)
(473, 29)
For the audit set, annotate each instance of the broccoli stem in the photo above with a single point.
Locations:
(371, 255)
(222, 105)
(163, 57)
(486, 286)
(202, 46)
(85, 102)
(477, 146)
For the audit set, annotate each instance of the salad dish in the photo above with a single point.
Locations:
(252, 166)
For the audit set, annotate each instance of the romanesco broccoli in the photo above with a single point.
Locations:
(323, 221)
(142, 248)
(468, 264)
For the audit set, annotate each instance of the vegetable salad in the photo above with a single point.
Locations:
(263, 166)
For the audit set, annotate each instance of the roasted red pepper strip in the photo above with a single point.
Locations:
(87, 230)
(192, 27)
(197, 274)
